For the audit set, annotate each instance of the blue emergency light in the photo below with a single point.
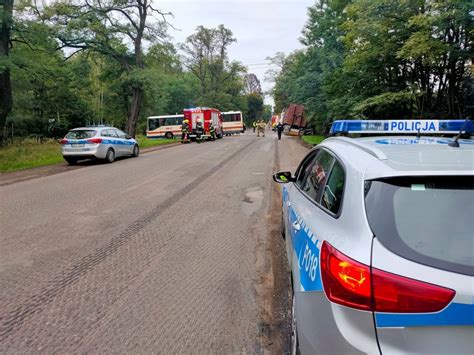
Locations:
(402, 126)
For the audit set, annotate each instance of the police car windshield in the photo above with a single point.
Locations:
(81, 134)
(428, 220)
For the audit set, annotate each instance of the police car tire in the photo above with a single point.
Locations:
(169, 135)
(136, 151)
(110, 156)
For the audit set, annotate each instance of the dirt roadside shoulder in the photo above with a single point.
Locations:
(34, 173)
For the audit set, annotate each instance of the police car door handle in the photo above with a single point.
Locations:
(296, 226)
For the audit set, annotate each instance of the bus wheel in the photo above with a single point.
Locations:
(169, 135)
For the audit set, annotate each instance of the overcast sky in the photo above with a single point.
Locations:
(261, 27)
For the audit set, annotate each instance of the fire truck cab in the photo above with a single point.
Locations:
(207, 116)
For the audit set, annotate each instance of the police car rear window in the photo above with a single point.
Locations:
(425, 219)
(81, 134)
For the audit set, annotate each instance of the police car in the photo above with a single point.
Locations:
(379, 237)
(98, 142)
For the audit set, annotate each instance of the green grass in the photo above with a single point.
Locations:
(144, 142)
(313, 139)
(28, 153)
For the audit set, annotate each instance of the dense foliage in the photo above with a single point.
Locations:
(381, 59)
(76, 63)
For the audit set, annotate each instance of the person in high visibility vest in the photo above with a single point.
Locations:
(185, 132)
(212, 131)
(199, 131)
(254, 125)
(261, 128)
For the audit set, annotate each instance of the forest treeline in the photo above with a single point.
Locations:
(76, 62)
(381, 59)
(80, 62)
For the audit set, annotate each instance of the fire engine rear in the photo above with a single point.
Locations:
(206, 116)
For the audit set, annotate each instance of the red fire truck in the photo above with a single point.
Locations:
(206, 115)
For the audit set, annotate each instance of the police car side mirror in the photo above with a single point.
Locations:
(283, 177)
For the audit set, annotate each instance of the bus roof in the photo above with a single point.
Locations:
(165, 116)
(230, 112)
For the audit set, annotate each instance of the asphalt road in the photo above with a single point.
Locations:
(176, 251)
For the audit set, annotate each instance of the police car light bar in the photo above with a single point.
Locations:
(402, 126)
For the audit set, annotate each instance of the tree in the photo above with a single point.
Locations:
(255, 107)
(252, 84)
(380, 59)
(6, 99)
(107, 27)
(220, 80)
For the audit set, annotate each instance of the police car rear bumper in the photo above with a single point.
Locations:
(98, 152)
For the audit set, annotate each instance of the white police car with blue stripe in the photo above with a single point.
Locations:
(379, 239)
(97, 142)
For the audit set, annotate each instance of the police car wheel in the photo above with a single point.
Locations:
(110, 156)
(136, 151)
(169, 135)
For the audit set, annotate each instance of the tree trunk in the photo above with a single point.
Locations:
(135, 105)
(6, 99)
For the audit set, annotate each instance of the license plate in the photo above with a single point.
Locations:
(77, 145)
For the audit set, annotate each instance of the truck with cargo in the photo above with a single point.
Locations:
(294, 120)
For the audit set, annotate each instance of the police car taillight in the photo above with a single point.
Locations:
(94, 140)
(63, 141)
(356, 285)
(345, 281)
(398, 294)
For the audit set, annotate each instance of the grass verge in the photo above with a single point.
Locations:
(28, 153)
(144, 142)
(313, 139)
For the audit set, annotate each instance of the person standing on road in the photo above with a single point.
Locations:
(212, 132)
(254, 125)
(185, 132)
(199, 131)
(279, 129)
(261, 128)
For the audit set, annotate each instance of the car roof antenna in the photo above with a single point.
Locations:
(455, 143)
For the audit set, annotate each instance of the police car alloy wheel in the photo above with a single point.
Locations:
(136, 151)
(110, 156)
